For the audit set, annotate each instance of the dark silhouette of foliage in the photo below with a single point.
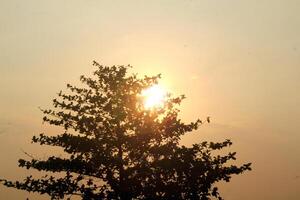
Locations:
(119, 150)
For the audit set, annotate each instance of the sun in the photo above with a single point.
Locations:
(154, 96)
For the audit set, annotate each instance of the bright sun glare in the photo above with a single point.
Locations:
(154, 96)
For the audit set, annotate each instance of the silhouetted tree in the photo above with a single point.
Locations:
(117, 149)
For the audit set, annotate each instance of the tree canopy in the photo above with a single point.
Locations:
(117, 149)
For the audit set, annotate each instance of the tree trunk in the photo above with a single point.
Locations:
(124, 193)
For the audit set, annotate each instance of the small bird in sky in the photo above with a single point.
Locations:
(208, 119)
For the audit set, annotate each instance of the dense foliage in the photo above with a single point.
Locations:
(117, 149)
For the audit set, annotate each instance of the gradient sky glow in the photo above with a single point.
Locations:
(237, 61)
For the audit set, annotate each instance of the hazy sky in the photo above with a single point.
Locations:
(237, 61)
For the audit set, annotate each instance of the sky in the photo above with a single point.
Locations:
(237, 61)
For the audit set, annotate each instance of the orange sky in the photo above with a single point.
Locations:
(236, 61)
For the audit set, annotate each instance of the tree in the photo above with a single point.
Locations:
(117, 149)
